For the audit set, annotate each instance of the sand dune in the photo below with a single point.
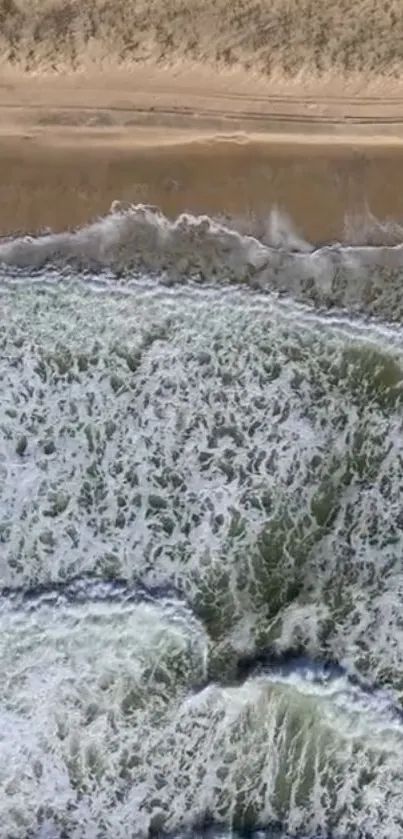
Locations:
(283, 37)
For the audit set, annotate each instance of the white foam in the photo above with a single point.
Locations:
(268, 255)
(184, 425)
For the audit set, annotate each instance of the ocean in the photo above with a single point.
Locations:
(201, 470)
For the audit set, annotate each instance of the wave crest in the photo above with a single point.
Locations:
(269, 256)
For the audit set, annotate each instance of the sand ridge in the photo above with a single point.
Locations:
(193, 100)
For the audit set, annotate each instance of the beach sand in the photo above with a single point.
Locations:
(188, 137)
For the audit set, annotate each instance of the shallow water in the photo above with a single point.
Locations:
(201, 535)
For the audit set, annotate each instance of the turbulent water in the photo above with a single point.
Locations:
(201, 615)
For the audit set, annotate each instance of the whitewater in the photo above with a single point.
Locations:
(201, 533)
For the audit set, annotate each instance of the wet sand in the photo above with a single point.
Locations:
(220, 144)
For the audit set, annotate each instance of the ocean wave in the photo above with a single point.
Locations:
(235, 449)
(234, 462)
(117, 679)
(308, 755)
(87, 589)
(141, 239)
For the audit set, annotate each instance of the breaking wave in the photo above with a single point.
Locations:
(266, 256)
(201, 532)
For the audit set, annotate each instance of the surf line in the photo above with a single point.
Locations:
(89, 589)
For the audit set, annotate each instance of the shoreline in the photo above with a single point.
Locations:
(71, 145)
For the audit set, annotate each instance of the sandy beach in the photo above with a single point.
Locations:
(216, 107)
(190, 139)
